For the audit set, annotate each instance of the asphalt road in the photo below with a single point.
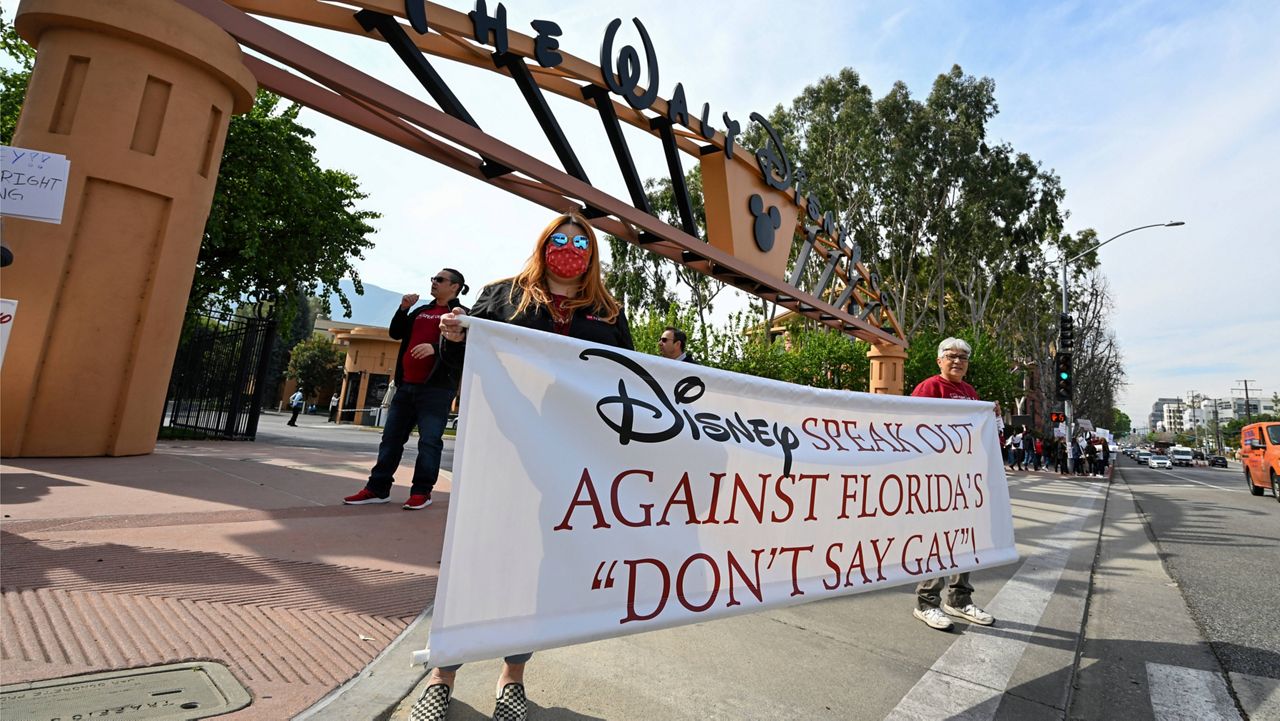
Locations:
(1221, 544)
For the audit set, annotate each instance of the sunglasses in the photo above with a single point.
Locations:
(581, 242)
(443, 279)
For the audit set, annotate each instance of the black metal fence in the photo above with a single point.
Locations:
(218, 374)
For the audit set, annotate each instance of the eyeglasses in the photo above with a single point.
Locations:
(443, 279)
(581, 242)
(956, 357)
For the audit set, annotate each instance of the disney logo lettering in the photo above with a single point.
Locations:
(660, 420)
(628, 72)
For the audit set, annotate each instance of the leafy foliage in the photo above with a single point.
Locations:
(13, 83)
(280, 224)
(963, 230)
(1120, 423)
(315, 363)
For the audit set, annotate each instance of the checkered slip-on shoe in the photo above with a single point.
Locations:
(432, 705)
(512, 704)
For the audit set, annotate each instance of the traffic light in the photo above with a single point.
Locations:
(1062, 375)
(1066, 333)
(1058, 417)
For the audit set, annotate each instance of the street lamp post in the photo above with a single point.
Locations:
(1066, 404)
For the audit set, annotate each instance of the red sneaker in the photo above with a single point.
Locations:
(364, 497)
(416, 501)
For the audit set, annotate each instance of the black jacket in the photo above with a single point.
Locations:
(495, 303)
(401, 329)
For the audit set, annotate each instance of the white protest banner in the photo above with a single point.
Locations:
(33, 184)
(598, 493)
(8, 309)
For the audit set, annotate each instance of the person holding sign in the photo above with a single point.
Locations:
(953, 364)
(560, 290)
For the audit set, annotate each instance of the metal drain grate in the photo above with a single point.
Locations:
(177, 691)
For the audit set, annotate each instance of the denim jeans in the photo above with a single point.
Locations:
(413, 405)
(959, 595)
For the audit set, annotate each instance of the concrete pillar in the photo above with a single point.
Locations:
(138, 94)
(887, 363)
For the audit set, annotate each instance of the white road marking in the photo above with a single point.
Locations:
(1184, 693)
(1192, 480)
(971, 676)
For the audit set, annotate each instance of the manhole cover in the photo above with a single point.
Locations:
(178, 691)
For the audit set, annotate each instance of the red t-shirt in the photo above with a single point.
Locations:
(426, 329)
(557, 304)
(939, 387)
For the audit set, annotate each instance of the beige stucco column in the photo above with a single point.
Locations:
(137, 94)
(887, 362)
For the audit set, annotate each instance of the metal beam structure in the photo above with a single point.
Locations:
(451, 137)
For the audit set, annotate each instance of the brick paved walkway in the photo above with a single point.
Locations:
(238, 553)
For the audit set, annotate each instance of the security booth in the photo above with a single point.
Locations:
(370, 365)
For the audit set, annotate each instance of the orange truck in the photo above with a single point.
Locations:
(1260, 454)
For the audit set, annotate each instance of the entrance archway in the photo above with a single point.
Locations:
(756, 207)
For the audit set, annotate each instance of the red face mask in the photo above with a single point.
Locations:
(567, 260)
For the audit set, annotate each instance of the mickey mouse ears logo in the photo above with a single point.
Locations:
(766, 223)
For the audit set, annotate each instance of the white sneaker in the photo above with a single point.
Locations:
(971, 613)
(934, 618)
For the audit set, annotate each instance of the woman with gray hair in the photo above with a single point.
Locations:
(953, 364)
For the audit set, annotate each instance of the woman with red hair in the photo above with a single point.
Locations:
(560, 290)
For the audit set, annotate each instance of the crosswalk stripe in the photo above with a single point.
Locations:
(970, 677)
(1179, 693)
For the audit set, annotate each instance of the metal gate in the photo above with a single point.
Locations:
(217, 383)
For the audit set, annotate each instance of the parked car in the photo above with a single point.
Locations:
(1198, 455)
(1260, 456)
(1159, 461)
(1218, 461)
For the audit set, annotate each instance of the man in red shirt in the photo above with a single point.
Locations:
(424, 395)
(953, 364)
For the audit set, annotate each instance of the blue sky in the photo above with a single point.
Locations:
(1149, 111)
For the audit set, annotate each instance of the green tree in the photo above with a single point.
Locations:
(280, 225)
(1121, 425)
(315, 363)
(966, 232)
(640, 278)
(13, 83)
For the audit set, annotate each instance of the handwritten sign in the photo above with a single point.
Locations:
(33, 184)
(600, 492)
(8, 309)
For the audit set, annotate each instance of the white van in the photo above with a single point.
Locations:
(1180, 456)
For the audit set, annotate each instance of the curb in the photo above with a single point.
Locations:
(379, 688)
(1073, 680)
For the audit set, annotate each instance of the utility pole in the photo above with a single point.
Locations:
(1217, 425)
(1194, 396)
(1248, 413)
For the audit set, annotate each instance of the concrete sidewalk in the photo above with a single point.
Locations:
(237, 552)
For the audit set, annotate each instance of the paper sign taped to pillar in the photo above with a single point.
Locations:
(8, 311)
(599, 492)
(33, 184)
